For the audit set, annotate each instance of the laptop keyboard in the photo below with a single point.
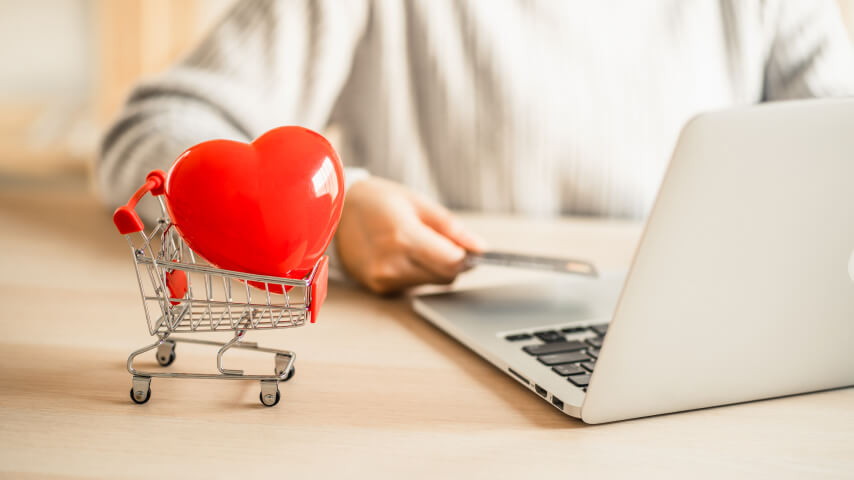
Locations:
(573, 359)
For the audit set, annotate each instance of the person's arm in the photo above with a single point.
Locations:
(268, 63)
(810, 53)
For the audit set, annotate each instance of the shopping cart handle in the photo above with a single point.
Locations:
(125, 217)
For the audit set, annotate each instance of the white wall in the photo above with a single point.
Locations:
(52, 80)
(46, 49)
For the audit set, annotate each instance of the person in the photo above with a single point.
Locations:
(530, 107)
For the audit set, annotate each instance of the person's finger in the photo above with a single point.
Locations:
(419, 275)
(466, 238)
(398, 273)
(441, 220)
(435, 252)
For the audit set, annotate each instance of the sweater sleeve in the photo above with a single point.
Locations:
(267, 63)
(810, 53)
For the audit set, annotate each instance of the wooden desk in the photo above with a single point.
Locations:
(378, 391)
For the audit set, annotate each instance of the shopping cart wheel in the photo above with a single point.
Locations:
(290, 374)
(278, 396)
(166, 353)
(140, 392)
(269, 393)
(140, 402)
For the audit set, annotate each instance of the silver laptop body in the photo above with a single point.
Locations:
(742, 286)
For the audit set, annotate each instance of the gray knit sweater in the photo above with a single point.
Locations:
(535, 107)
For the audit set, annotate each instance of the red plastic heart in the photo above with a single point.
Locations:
(269, 207)
(176, 282)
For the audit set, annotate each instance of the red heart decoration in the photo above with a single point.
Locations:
(269, 207)
(176, 282)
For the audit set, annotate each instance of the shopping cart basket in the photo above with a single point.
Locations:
(181, 293)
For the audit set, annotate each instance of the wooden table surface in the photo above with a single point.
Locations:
(378, 391)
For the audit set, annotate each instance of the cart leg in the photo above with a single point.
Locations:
(269, 392)
(285, 363)
(238, 335)
(140, 392)
(166, 353)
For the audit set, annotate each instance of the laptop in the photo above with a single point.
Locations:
(741, 288)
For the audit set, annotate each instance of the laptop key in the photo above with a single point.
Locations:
(517, 337)
(600, 330)
(559, 358)
(555, 347)
(549, 336)
(579, 380)
(568, 369)
(588, 366)
(574, 330)
(593, 352)
(595, 342)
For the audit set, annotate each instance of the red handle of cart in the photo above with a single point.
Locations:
(125, 217)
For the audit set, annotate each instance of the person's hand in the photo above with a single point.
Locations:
(389, 238)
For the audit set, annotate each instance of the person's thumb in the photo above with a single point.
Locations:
(444, 222)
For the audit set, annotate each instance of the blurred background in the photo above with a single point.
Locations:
(68, 64)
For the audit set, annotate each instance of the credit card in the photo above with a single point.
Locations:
(535, 262)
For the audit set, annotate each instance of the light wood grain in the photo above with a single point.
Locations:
(378, 392)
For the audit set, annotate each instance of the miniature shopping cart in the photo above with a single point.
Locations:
(181, 293)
